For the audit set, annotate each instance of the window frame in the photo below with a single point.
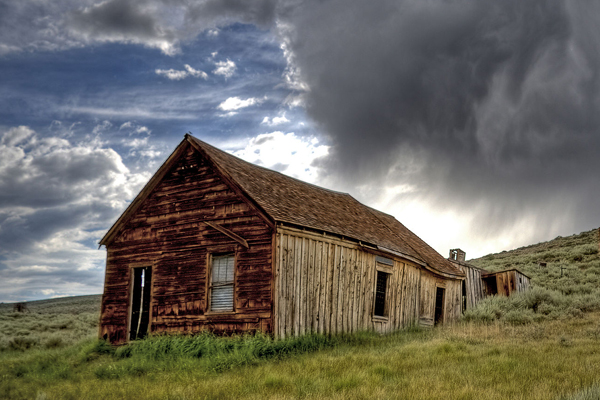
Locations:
(384, 269)
(209, 281)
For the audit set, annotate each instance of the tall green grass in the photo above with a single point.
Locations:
(537, 304)
(222, 353)
(553, 359)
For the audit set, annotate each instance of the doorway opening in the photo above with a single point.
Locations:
(439, 305)
(140, 302)
(464, 296)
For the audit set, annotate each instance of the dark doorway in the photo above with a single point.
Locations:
(439, 305)
(491, 287)
(464, 296)
(140, 302)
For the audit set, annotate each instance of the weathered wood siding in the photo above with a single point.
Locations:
(473, 284)
(522, 282)
(506, 283)
(452, 298)
(327, 285)
(511, 281)
(168, 234)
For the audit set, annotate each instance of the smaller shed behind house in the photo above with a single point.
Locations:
(480, 283)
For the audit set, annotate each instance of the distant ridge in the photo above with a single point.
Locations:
(60, 304)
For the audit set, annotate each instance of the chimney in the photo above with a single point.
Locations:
(458, 255)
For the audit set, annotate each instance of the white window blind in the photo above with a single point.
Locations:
(221, 293)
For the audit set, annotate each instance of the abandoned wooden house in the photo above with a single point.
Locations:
(480, 283)
(215, 243)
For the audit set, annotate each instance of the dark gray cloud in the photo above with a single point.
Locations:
(124, 21)
(486, 108)
(162, 24)
(217, 12)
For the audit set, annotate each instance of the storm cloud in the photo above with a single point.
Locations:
(475, 123)
(486, 108)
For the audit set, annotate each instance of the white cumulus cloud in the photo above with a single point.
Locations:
(176, 75)
(275, 120)
(225, 68)
(287, 153)
(235, 103)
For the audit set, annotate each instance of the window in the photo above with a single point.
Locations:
(221, 283)
(380, 294)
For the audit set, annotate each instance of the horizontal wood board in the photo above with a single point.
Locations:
(168, 233)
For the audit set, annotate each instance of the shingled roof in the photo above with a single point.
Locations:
(292, 201)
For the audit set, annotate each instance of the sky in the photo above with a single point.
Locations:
(475, 123)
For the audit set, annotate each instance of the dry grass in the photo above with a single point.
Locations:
(556, 359)
(50, 323)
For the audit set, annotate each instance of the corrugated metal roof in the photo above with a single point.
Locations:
(293, 201)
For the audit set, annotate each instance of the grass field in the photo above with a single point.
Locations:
(544, 344)
(49, 323)
(549, 360)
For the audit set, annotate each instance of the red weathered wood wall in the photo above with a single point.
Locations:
(167, 232)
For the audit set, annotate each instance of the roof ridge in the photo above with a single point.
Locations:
(371, 210)
(270, 170)
(285, 198)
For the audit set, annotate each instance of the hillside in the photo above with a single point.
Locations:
(572, 265)
(49, 323)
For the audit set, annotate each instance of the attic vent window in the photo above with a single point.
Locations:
(380, 294)
(221, 283)
(384, 260)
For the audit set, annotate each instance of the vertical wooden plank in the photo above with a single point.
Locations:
(317, 295)
(341, 289)
(284, 284)
(396, 308)
(324, 315)
(335, 288)
(355, 295)
(291, 277)
(359, 290)
(310, 270)
(370, 290)
(344, 307)
(392, 298)
(314, 310)
(277, 314)
(367, 292)
(352, 283)
(302, 287)
(330, 275)
(297, 284)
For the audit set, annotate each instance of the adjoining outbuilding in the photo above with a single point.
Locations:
(480, 283)
(215, 243)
